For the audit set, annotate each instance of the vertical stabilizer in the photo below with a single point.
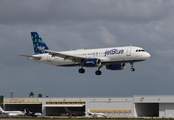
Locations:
(2, 110)
(38, 42)
(67, 110)
(89, 113)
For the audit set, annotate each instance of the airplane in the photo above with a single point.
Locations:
(29, 113)
(96, 115)
(12, 113)
(114, 58)
(74, 113)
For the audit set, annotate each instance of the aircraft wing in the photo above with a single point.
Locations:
(66, 56)
(31, 56)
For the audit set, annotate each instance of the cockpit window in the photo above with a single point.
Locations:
(140, 50)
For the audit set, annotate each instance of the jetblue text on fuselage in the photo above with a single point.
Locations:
(114, 51)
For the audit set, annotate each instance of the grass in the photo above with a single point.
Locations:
(55, 118)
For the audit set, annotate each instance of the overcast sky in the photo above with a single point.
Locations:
(74, 24)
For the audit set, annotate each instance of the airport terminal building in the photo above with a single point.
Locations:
(136, 106)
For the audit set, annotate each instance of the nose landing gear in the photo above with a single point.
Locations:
(132, 67)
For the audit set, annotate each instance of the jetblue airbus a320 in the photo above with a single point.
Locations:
(114, 58)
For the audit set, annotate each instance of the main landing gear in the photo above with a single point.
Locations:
(132, 67)
(81, 70)
(97, 72)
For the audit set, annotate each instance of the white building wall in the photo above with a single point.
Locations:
(166, 110)
(112, 104)
(162, 110)
(101, 104)
(153, 99)
(166, 104)
(116, 104)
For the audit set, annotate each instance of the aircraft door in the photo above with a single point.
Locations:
(128, 53)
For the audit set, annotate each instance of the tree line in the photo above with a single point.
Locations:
(1, 100)
(31, 94)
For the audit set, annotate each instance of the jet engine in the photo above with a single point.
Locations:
(116, 66)
(93, 62)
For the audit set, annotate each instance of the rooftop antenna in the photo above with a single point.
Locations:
(12, 93)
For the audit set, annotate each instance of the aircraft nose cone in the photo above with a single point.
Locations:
(147, 55)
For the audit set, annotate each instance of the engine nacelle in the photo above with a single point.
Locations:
(92, 62)
(116, 66)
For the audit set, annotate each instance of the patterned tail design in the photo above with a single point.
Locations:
(38, 42)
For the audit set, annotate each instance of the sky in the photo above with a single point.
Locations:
(76, 24)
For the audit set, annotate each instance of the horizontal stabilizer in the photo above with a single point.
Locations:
(31, 57)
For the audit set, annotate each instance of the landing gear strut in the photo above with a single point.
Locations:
(98, 72)
(81, 70)
(132, 67)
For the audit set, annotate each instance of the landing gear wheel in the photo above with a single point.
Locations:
(98, 72)
(81, 70)
(132, 69)
(132, 66)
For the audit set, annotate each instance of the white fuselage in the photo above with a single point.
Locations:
(127, 54)
(96, 115)
(13, 113)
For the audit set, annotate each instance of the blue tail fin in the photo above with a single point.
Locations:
(38, 42)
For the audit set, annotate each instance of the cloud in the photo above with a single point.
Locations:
(67, 12)
(106, 37)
